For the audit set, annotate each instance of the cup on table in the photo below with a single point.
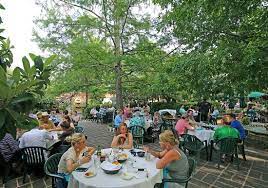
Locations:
(97, 162)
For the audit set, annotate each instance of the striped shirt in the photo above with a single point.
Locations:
(8, 147)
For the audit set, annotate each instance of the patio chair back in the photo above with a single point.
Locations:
(79, 129)
(228, 146)
(33, 157)
(192, 143)
(192, 166)
(51, 167)
(137, 133)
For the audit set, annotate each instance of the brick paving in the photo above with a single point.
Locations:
(252, 173)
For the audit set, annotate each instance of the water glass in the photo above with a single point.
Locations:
(96, 163)
(115, 150)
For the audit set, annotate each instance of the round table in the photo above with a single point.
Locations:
(103, 180)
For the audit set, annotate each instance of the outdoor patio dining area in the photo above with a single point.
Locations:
(252, 173)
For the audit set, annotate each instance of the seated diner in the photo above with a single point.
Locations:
(45, 123)
(123, 139)
(78, 154)
(36, 137)
(66, 128)
(171, 158)
(183, 125)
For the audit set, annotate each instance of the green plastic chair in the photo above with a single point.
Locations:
(137, 133)
(33, 157)
(165, 125)
(228, 146)
(192, 166)
(79, 129)
(193, 145)
(51, 168)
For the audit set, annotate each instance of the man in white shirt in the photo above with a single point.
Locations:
(35, 137)
(94, 112)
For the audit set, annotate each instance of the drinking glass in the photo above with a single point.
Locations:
(115, 150)
(97, 162)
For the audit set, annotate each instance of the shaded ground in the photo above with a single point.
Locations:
(252, 173)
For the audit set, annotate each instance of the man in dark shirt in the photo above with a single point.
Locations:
(204, 108)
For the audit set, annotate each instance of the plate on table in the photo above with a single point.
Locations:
(111, 168)
(90, 173)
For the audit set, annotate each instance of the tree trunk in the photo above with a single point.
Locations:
(118, 67)
(118, 87)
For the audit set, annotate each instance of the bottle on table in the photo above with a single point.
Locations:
(99, 151)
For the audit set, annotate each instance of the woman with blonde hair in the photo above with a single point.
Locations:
(122, 139)
(172, 159)
(78, 154)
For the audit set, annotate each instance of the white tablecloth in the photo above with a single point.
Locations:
(203, 134)
(171, 111)
(54, 135)
(103, 180)
(148, 123)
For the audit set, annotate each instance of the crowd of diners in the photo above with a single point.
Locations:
(61, 124)
(171, 158)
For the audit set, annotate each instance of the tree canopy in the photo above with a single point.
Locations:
(188, 49)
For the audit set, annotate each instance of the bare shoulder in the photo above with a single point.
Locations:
(174, 154)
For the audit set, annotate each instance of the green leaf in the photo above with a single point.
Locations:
(1, 30)
(2, 7)
(2, 74)
(38, 63)
(33, 71)
(2, 118)
(16, 75)
(24, 98)
(22, 71)
(26, 65)
(32, 56)
(4, 90)
(13, 114)
(50, 59)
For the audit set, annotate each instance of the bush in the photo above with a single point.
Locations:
(245, 121)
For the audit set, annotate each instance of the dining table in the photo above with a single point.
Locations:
(145, 174)
(202, 134)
